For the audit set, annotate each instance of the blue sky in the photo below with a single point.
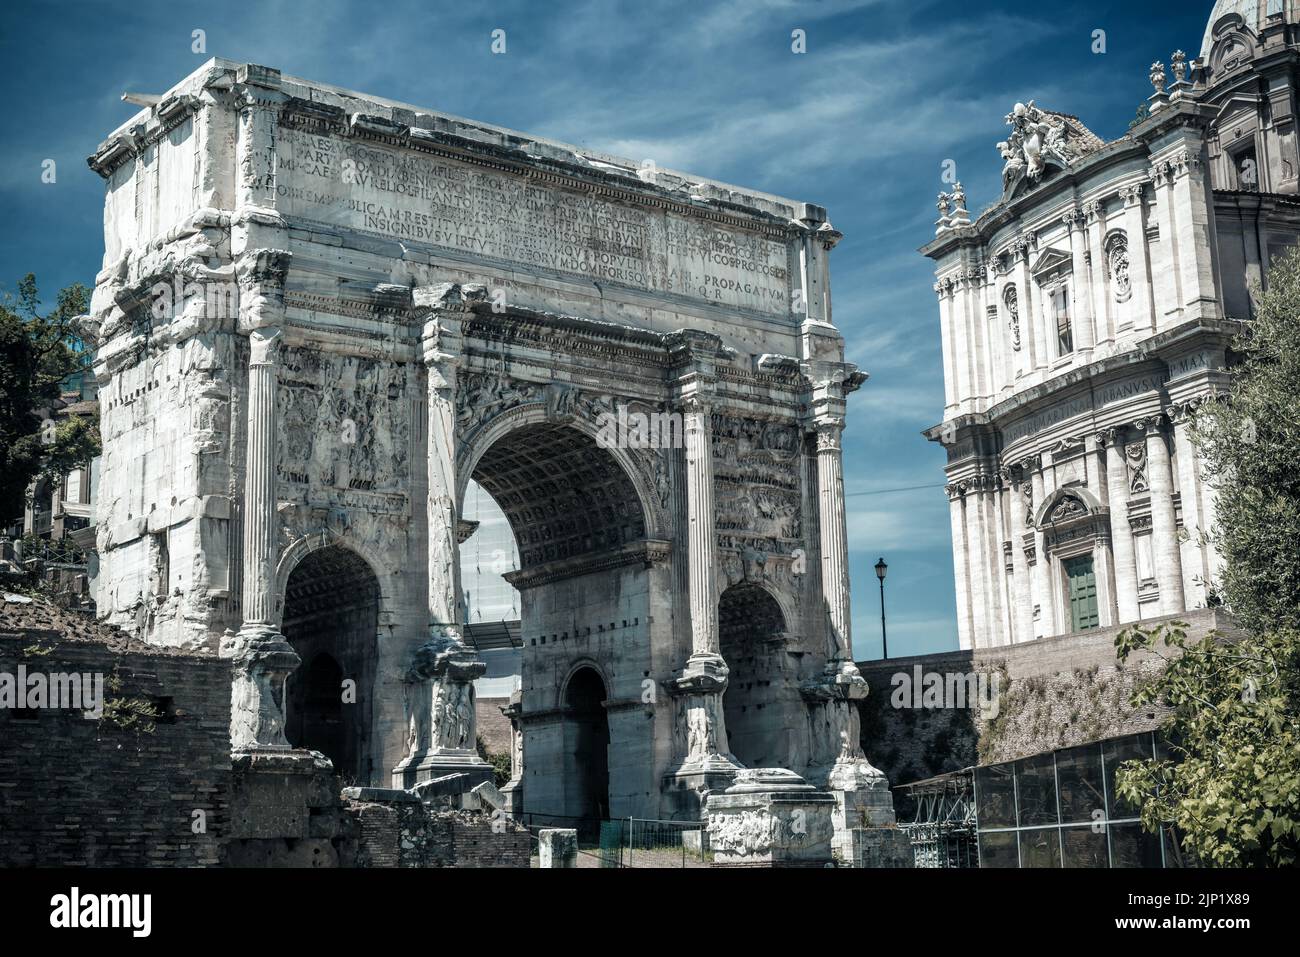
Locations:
(861, 123)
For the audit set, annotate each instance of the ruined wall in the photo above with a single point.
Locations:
(1054, 693)
(413, 835)
(121, 790)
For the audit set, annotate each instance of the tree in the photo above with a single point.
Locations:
(1234, 790)
(36, 355)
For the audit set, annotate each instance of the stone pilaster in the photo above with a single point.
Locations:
(1164, 528)
(1121, 531)
(1141, 305)
(262, 658)
(514, 788)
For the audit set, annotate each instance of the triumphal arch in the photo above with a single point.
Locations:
(323, 314)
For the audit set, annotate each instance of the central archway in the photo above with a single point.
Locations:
(588, 571)
(331, 618)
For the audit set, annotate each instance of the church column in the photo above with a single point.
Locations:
(946, 342)
(1196, 572)
(1024, 596)
(1164, 529)
(1141, 305)
(1165, 274)
(1042, 578)
(439, 683)
(1098, 484)
(261, 656)
(1097, 287)
(1084, 327)
(977, 546)
(1121, 531)
(961, 564)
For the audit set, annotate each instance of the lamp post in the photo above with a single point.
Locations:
(881, 568)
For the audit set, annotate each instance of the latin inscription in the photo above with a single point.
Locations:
(461, 207)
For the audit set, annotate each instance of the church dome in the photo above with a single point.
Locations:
(1255, 13)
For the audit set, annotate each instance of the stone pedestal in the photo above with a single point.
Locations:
(707, 764)
(860, 791)
(770, 817)
(440, 714)
(557, 847)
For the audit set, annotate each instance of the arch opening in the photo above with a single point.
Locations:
(587, 751)
(331, 618)
(752, 636)
(563, 495)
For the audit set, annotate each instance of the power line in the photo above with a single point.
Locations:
(886, 491)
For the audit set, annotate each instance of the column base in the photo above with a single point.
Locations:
(262, 660)
(427, 765)
(770, 817)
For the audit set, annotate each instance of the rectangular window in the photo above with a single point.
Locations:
(1083, 593)
(1064, 331)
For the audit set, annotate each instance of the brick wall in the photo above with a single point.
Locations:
(78, 791)
(411, 834)
(1053, 693)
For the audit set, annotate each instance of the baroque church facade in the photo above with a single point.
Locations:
(1087, 314)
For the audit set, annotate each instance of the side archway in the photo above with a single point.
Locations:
(330, 615)
(753, 641)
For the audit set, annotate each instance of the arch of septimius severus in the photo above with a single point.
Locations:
(322, 314)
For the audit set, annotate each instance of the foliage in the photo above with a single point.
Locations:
(1232, 786)
(500, 762)
(1234, 790)
(35, 357)
(1251, 448)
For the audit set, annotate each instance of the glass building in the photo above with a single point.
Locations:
(485, 557)
(1060, 809)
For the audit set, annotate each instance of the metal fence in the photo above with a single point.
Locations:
(631, 842)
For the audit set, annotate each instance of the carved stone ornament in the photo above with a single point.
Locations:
(1035, 138)
(1011, 299)
(1117, 266)
(1135, 455)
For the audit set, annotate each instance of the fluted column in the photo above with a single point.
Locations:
(439, 683)
(262, 658)
(1164, 527)
(1121, 531)
(701, 683)
(834, 536)
(1024, 597)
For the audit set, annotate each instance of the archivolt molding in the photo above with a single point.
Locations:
(292, 556)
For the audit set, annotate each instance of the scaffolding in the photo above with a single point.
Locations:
(943, 832)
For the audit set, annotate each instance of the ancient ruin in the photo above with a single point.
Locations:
(322, 314)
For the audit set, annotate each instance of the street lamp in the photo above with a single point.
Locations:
(881, 568)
